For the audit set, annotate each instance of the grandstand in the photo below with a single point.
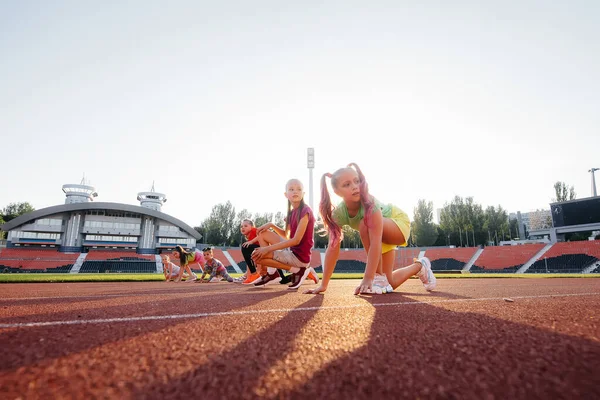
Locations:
(82, 236)
(450, 259)
(117, 261)
(566, 257)
(36, 260)
(505, 258)
(562, 257)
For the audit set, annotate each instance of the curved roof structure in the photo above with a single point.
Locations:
(23, 219)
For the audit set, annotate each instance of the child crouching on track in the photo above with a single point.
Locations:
(214, 268)
(288, 249)
(249, 231)
(170, 270)
(186, 259)
(382, 227)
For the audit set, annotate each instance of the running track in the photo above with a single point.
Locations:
(157, 340)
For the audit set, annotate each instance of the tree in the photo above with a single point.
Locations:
(320, 235)
(13, 210)
(424, 231)
(442, 237)
(218, 227)
(350, 238)
(514, 227)
(463, 221)
(563, 193)
(496, 223)
(261, 219)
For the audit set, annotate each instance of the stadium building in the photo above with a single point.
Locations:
(80, 226)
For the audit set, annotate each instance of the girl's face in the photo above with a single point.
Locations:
(347, 186)
(208, 255)
(245, 228)
(165, 259)
(175, 254)
(294, 191)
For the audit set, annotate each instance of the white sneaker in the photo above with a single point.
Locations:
(425, 274)
(381, 281)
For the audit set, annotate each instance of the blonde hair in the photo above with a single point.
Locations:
(290, 209)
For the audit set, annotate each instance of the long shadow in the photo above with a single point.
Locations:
(424, 351)
(437, 294)
(74, 298)
(249, 361)
(46, 309)
(30, 345)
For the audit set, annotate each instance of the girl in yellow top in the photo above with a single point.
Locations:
(382, 227)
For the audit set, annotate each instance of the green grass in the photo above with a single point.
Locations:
(45, 278)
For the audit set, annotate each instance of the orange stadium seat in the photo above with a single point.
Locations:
(568, 257)
(449, 259)
(405, 256)
(98, 255)
(36, 260)
(505, 258)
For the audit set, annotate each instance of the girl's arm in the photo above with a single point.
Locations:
(268, 225)
(180, 275)
(374, 255)
(249, 242)
(331, 256)
(284, 244)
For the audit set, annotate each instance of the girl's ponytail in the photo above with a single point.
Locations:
(325, 209)
(182, 255)
(365, 197)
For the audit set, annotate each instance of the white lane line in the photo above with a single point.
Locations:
(274, 310)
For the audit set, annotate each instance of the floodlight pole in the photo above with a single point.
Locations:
(593, 181)
(310, 160)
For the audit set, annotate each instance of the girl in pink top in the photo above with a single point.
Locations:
(186, 259)
(288, 249)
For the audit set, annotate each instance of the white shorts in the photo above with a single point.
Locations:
(286, 257)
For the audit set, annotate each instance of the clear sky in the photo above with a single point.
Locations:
(217, 101)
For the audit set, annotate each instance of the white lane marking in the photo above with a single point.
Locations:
(274, 310)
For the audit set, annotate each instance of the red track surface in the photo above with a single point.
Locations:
(462, 341)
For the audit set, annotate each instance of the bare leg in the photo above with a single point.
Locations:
(364, 237)
(267, 238)
(400, 275)
(269, 262)
(191, 274)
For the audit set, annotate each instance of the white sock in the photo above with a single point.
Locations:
(293, 270)
(271, 270)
